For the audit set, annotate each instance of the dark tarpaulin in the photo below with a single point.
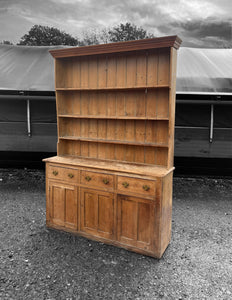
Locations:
(199, 116)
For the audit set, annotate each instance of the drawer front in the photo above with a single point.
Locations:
(62, 173)
(135, 185)
(100, 180)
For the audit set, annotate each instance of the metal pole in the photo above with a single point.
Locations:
(211, 124)
(22, 97)
(28, 118)
(202, 102)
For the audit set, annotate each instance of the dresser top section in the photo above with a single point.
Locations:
(144, 170)
(120, 47)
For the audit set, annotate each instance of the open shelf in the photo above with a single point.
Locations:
(113, 88)
(74, 138)
(112, 117)
(119, 105)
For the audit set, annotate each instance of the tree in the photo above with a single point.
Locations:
(90, 38)
(122, 32)
(127, 32)
(40, 35)
(95, 37)
(4, 42)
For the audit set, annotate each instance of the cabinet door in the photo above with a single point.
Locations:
(97, 213)
(135, 222)
(62, 205)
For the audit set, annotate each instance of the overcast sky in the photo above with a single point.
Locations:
(199, 23)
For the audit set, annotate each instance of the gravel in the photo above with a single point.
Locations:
(38, 263)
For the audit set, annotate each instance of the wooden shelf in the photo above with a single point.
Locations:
(89, 89)
(112, 117)
(74, 138)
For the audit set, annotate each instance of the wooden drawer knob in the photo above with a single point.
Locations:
(70, 175)
(146, 187)
(106, 181)
(125, 184)
(55, 173)
(88, 178)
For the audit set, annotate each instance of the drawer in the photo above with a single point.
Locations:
(62, 173)
(135, 185)
(100, 180)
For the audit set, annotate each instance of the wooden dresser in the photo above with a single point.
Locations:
(111, 180)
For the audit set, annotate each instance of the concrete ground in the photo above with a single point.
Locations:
(37, 263)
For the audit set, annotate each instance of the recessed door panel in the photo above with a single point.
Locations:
(97, 213)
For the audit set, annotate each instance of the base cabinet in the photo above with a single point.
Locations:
(132, 212)
(62, 205)
(97, 213)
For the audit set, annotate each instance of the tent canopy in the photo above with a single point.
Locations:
(204, 71)
(198, 70)
(26, 68)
